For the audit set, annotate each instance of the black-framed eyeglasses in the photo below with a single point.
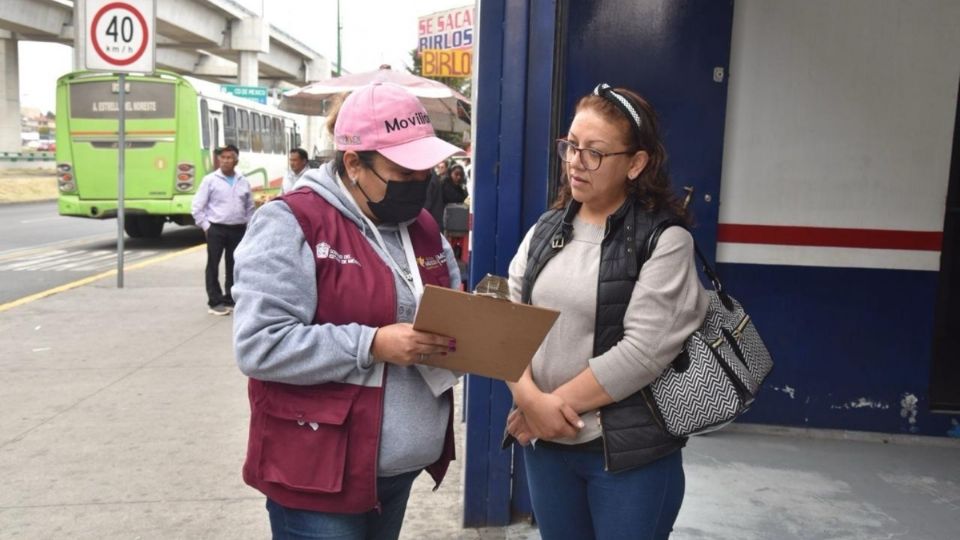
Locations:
(589, 158)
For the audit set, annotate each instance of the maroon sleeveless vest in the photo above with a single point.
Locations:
(315, 447)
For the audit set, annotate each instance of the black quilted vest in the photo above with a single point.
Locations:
(632, 433)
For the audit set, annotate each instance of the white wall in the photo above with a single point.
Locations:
(840, 114)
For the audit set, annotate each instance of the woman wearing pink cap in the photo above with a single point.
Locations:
(344, 415)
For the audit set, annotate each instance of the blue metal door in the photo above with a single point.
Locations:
(675, 53)
(945, 368)
(536, 58)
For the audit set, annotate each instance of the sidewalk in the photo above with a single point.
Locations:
(123, 415)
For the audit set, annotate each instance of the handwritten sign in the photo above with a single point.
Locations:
(446, 62)
(451, 29)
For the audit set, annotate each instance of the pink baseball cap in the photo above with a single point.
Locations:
(387, 118)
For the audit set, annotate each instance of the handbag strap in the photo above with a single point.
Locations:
(650, 244)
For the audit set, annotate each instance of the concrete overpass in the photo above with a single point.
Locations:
(219, 40)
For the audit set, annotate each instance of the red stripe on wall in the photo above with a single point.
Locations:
(830, 237)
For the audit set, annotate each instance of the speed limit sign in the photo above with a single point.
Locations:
(120, 35)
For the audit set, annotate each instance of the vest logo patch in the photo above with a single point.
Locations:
(431, 263)
(324, 251)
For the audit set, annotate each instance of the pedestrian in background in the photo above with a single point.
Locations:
(222, 207)
(449, 188)
(328, 283)
(216, 157)
(454, 186)
(298, 165)
(434, 202)
(440, 170)
(602, 466)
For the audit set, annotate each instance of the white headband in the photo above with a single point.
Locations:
(605, 91)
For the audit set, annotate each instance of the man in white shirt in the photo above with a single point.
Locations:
(298, 165)
(222, 207)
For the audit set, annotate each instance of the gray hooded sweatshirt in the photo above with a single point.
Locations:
(275, 290)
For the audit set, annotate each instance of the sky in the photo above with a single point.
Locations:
(374, 32)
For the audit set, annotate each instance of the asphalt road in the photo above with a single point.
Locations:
(40, 249)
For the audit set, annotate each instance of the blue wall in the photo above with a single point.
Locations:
(512, 116)
(849, 344)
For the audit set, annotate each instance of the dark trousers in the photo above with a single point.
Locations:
(221, 239)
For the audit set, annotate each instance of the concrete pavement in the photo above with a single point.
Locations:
(122, 415)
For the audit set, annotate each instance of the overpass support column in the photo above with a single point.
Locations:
(317, 69)
(79, 35)
(250, 36)
(249, 68)
(9, 94)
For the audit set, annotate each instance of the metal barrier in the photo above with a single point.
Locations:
(27, 156)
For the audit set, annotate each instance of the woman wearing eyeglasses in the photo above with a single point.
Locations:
(598, 461)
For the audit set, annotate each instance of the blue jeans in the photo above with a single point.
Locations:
(573, 497)
(393, 492)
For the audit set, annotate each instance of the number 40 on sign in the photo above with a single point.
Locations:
(120, 35)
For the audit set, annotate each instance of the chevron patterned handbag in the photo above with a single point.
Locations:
(717, 375)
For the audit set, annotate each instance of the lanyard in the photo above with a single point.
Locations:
(439, 380)
(411, 276)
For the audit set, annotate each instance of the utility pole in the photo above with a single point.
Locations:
(339, 27)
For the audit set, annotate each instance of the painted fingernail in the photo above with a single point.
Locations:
(580, 424)
(452, 344)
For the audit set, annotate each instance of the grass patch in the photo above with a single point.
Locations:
(23, 185)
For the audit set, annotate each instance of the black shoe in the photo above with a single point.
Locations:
(228, 301)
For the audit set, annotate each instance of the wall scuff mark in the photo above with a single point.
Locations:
(862, 403)
(786, 390)
(908, 408)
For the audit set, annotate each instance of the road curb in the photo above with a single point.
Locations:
(29, 201)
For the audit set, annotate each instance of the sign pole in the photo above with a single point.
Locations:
(339, 27)
(120, 39)
(122, 147)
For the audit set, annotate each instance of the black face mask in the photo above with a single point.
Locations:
(402, 202)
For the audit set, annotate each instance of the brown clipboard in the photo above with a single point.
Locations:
(495, 338)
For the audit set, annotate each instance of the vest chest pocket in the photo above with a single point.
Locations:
(305, 438)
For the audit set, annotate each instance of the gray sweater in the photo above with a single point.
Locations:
(276, 292)
(668, 303)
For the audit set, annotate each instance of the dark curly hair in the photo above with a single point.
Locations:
(652, 188)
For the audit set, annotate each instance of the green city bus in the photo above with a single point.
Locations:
(173, 125)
